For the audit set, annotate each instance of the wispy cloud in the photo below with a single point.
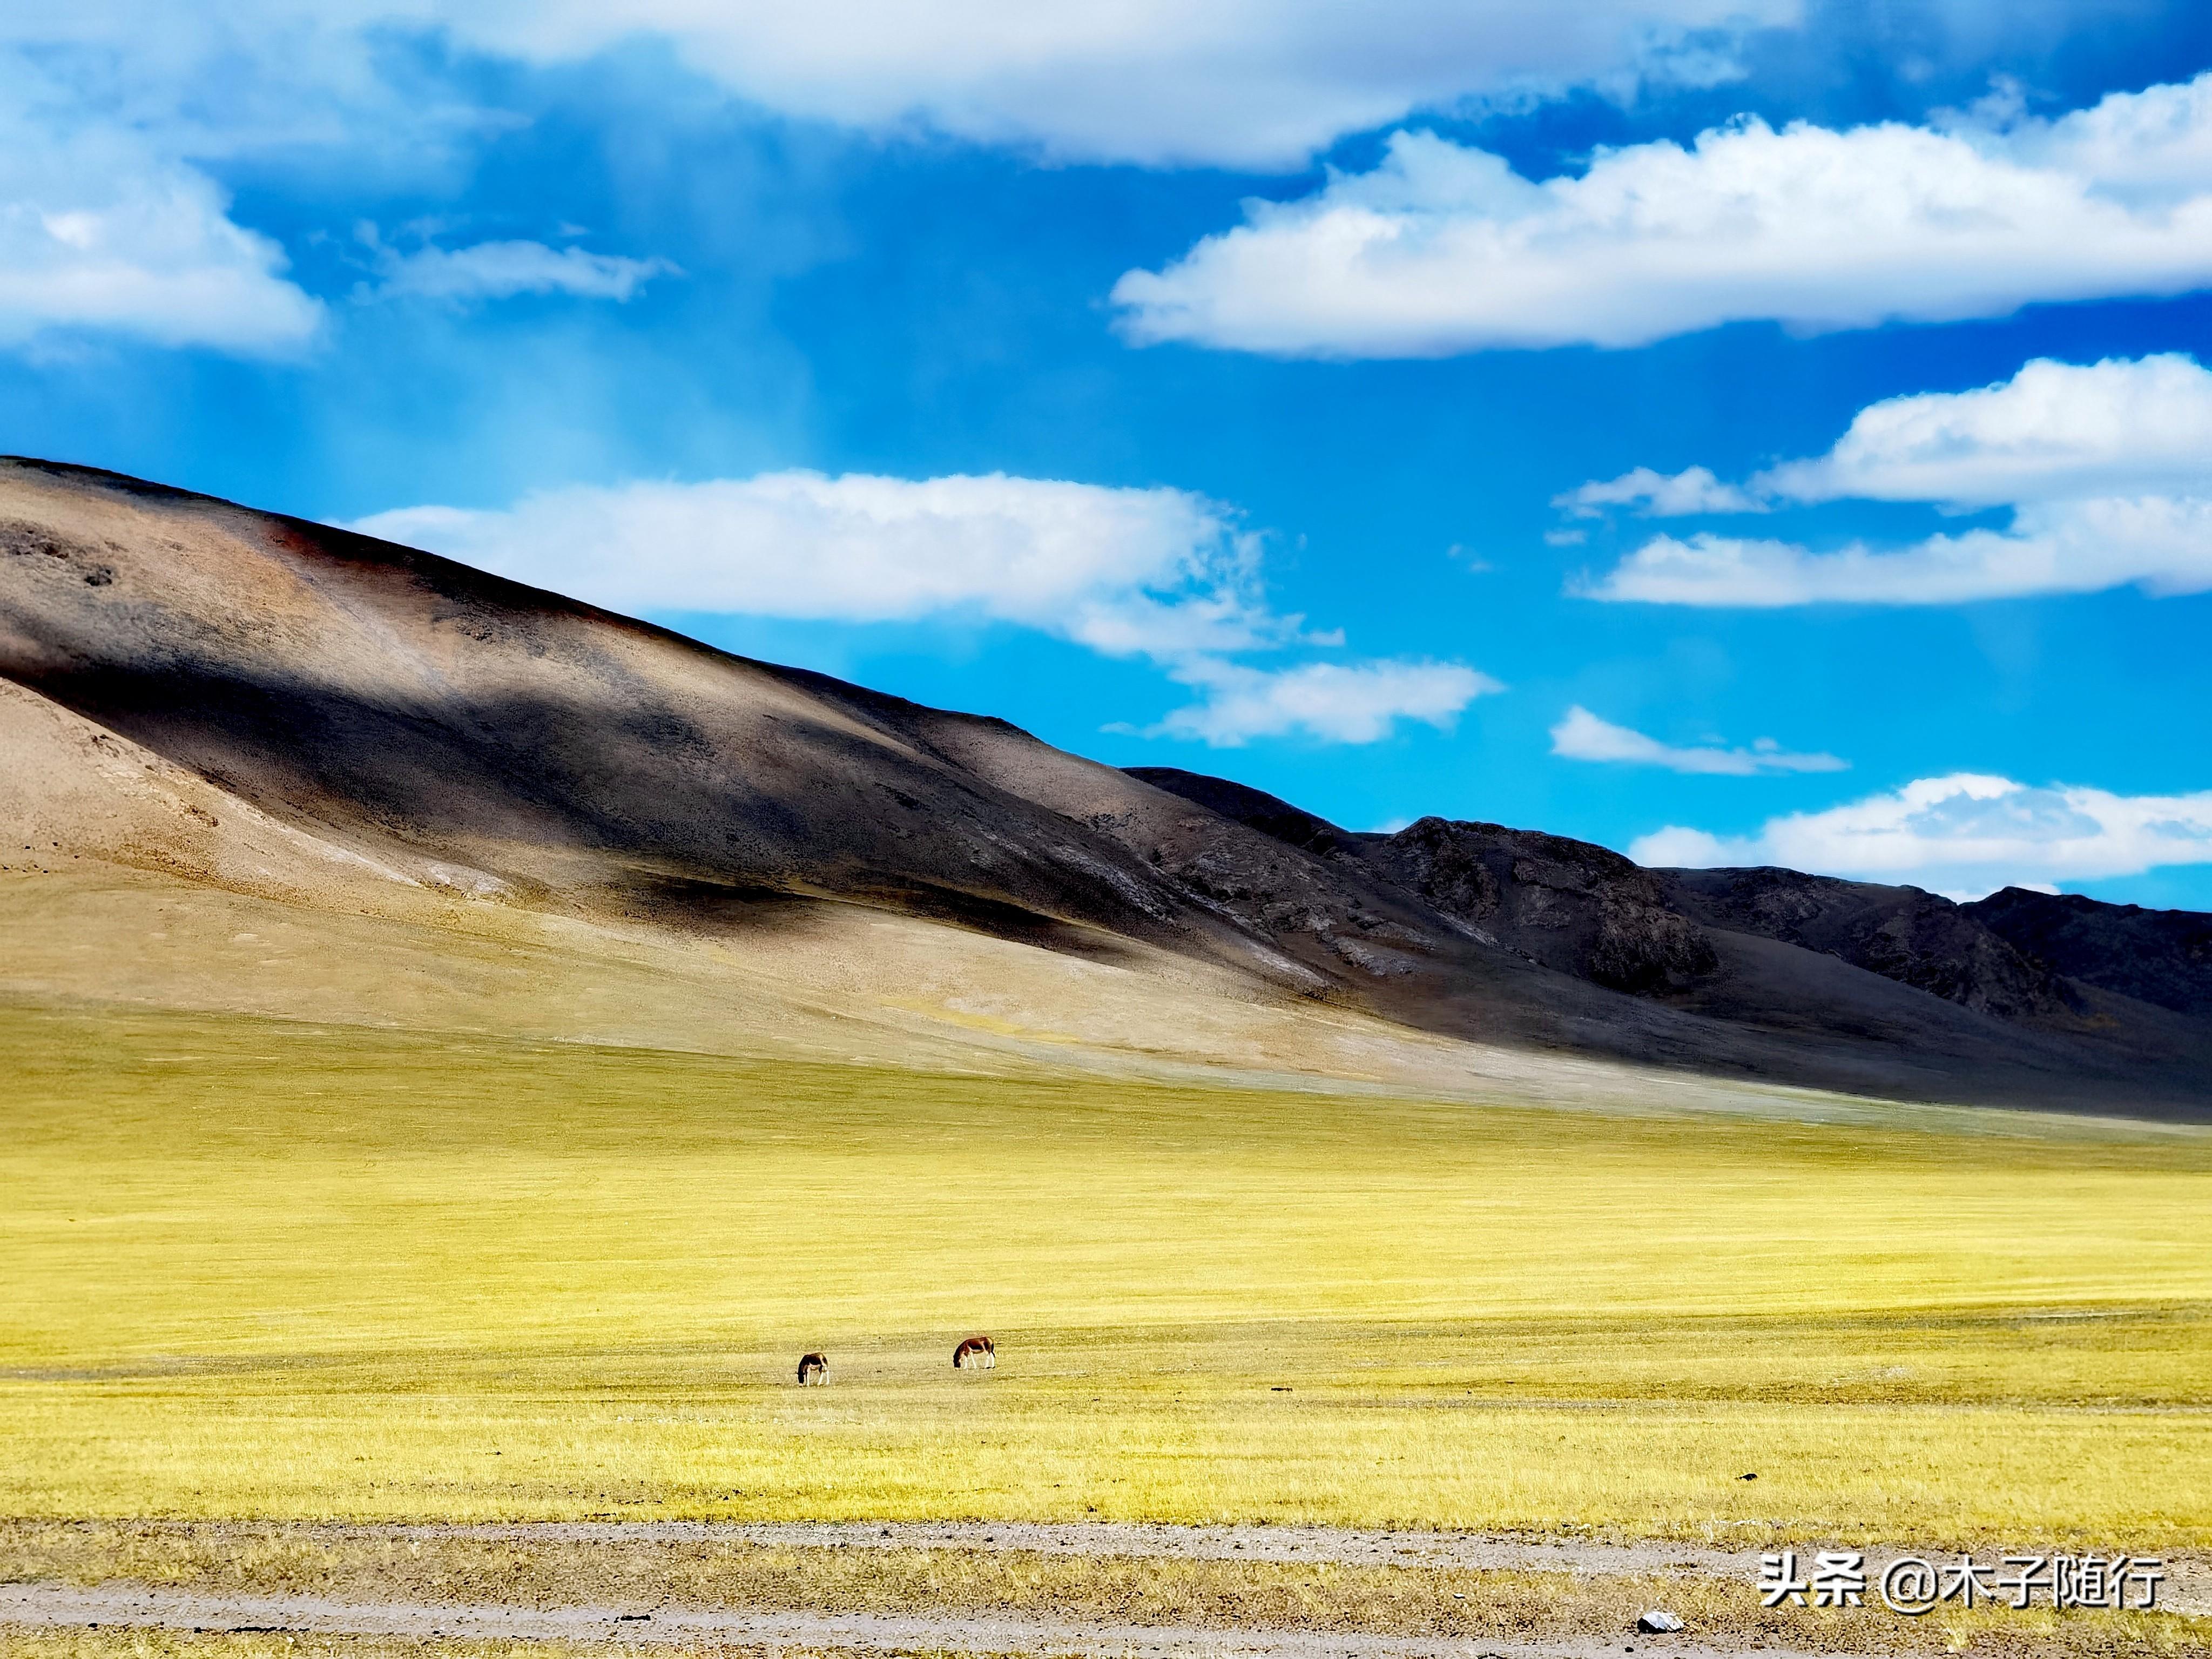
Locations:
(1581, 735)
(1335, 702)
(1965, 834)
(2107, 467)
(2162, 544)
(1443, 248)
(1152, 572)
(1240, 83)
(1661, 496)
(500, 270)
(1158, 573)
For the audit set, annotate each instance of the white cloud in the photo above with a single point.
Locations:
(295, 83)
(1156, 572)
(102, 233)
(2153, 148)
(113, 112)
(1244, 83)
(1444, 248)
(2053, 432)
(314, 85)
(1581, 735)
(499, 271)
(1336, 702)
(1964, 834)
(2108, 467)
(2163, 545)
(115, 115)
(1659, 495)
(110, 114)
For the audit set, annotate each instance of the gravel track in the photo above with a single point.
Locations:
(2187, 1588)
(56, 1607)
(51, 1606)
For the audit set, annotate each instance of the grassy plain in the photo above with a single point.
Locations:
(262, 1269)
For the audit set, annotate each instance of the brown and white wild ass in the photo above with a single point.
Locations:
(976, 1353)
(813, 1369)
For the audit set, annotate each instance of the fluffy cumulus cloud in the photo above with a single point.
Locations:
(1335, 702)
(499, 271)
(1581, 735)
(1443, 248)
(100, 233)
(1154, 573)
(2054, 432)
(1965, 835)
(1159, 572)
(2107, 467)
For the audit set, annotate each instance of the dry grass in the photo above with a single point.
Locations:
(110, 1643)
(260, 1269)
(1083, 1590)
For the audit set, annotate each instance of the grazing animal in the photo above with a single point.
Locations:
(813, 1369)
(976, 1353)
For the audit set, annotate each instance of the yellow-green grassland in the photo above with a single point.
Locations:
(261, 1269)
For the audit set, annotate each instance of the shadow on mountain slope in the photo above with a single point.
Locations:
(411, 712)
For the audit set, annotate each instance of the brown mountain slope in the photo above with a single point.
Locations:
(298, 711)
(373, 696)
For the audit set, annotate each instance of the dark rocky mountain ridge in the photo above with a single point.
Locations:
(2159, 957)
(1581, 908)
(401, 705)
(1904, 933)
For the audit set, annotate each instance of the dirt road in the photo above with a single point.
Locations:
(966, 1588)
(53, 1606)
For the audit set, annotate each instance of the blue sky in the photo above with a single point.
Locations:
(1263, 394)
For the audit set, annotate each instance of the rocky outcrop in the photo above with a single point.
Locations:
(1585, 910)
(1567, 904)
(2163, 957)
(1563, 904)
(1916, 937)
